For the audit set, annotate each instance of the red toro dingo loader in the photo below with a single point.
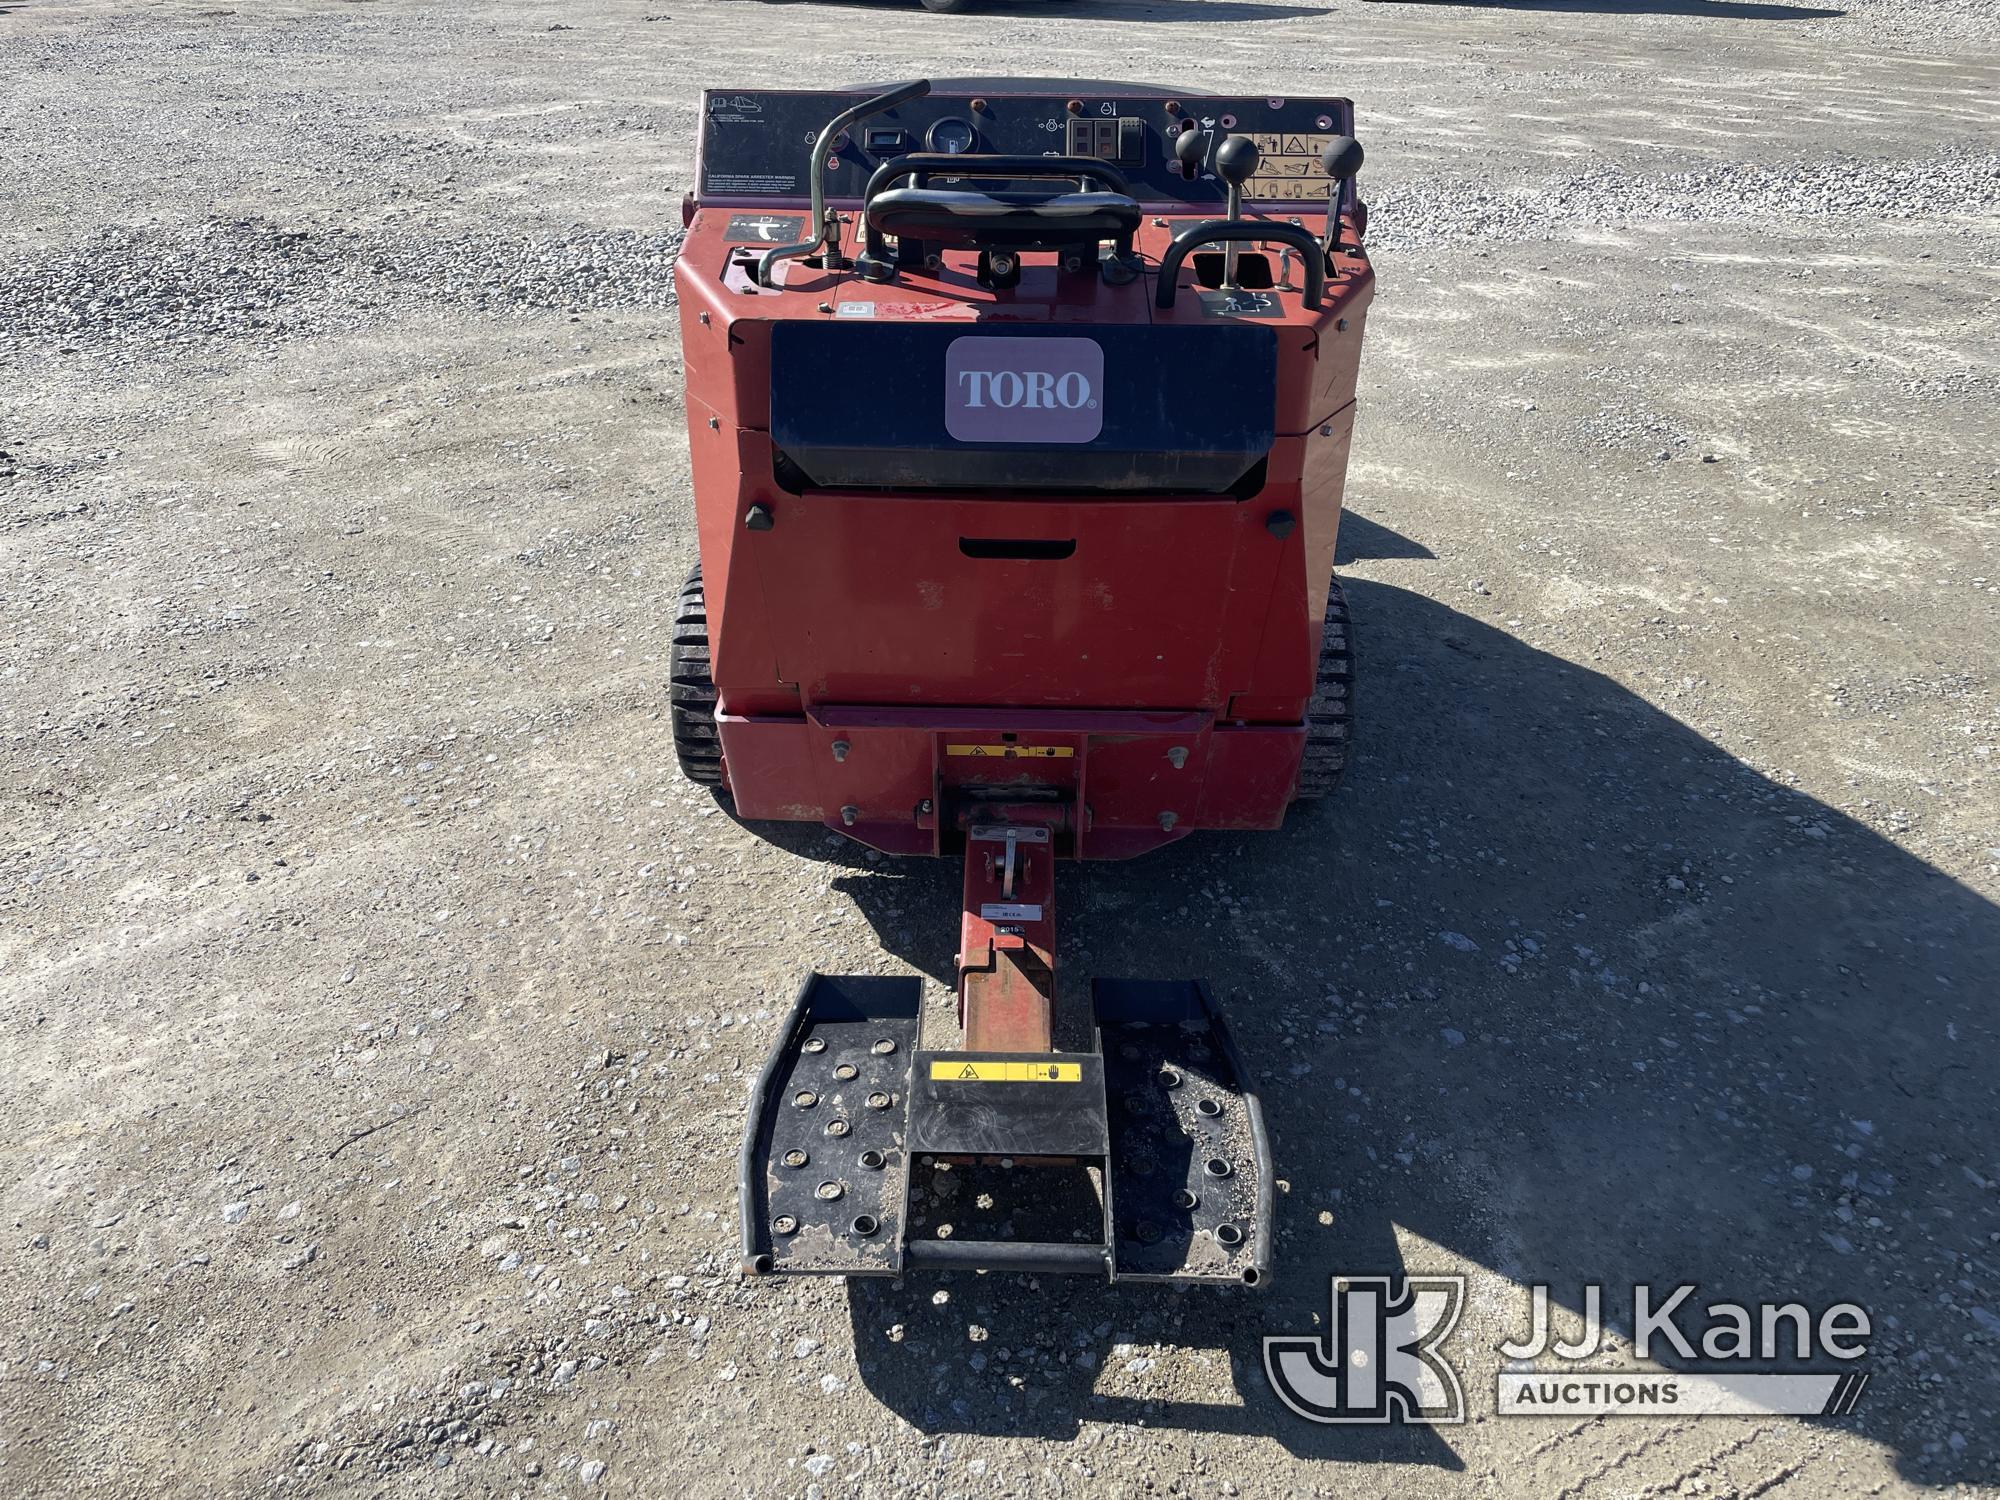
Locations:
(1019, 413)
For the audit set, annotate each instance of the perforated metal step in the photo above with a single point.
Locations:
(828, 1188)
(1190, 1163)
(823, 1167)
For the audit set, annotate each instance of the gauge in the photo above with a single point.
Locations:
(952, 135)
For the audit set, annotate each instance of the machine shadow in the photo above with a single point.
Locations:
(1707, 10)
(901, 899)
(1553, 986)
(1361, 540)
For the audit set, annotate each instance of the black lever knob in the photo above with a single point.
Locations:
(1236, 160)
(1341, 158)
(1190, 146)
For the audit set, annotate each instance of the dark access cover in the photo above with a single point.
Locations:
(1162, 410)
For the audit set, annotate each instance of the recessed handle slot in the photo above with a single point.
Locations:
(1023, 549)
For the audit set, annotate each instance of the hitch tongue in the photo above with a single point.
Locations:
(1006, 948)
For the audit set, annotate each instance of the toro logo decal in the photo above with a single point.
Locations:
(1020, 390)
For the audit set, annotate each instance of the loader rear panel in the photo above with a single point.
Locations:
(901, 599)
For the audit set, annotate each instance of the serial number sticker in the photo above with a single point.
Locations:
(1010, 911)
(1006, 1072)
(1014, 752)
(895, 310)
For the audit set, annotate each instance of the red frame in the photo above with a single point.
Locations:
(1181, 623)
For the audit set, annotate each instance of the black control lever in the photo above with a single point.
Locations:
(1236, 162)
(1340, 159)
(826, 230)
(1190, 146)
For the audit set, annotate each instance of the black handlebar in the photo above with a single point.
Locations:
(1013, 220)
(823, 228)
(943, 164)
(1212, 231)
(903, 93)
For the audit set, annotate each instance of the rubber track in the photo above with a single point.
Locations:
(691, 688)
(1329, 716)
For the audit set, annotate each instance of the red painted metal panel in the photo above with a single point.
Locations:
(1323, 485)
(774, 775)
(887, 608)
(1137, 791)
(1252, 774)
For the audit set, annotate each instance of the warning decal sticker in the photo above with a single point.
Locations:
(1289, 167)
(966, 1070)
(1014, 752)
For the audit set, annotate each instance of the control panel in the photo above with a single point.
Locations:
(755, 143)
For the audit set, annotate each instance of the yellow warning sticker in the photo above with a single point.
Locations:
(1288, 165)
(1014, 752)
(962, 1070)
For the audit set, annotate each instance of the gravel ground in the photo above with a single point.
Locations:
(379, 1006)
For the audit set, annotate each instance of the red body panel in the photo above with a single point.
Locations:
(1159, 672)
